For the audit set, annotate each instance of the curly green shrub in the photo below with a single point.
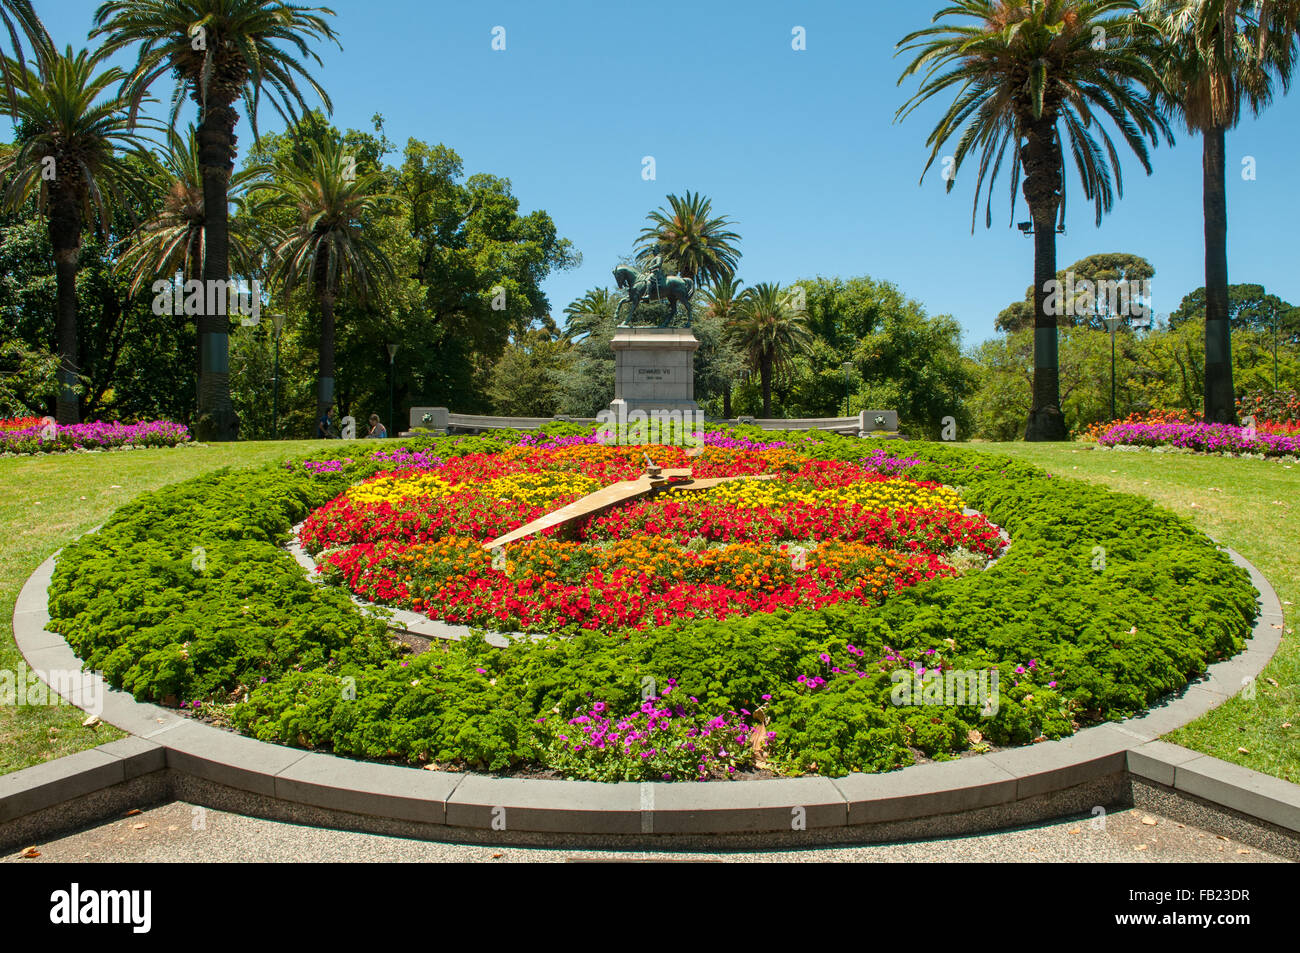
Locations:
(186, 593)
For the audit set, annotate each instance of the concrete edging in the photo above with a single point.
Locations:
(1017, 782)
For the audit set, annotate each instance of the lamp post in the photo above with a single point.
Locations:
(392, 355)
(847, 368)
(1112, 325)
(1275, 348)
(277, 325)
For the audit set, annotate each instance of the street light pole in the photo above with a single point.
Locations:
(277, 325)
(1275, 349)
(847, 368)
(1112, 325)
(392, 355)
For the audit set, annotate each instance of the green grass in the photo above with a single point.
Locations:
(47, 501)
(1251, 505)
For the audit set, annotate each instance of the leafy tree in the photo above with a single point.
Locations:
(913, 363)
(694, 242)
(135, 363)
(480, 261)
(1250, 308)
(1030, 79)
(1218, 56)
(28, 380)
(219, 52)
(69, 131)
(1006, 363)
(525, 380)
(1088, 306)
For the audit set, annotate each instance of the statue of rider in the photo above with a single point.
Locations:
(654, 275)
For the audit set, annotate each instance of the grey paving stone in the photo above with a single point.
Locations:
(522, 804)
(140, 718)
(786, 804)
(225, 757)
(1231, 677)
(45, 785)
(1055, 766)
(360, 787)
(30, 633)
(33, 594)
(1194, 702)
(1156, 761)
(926, 789)
(1241, 789)
(139, 756)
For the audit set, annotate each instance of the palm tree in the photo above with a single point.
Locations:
(18, 16)
(590, 314)
(722, 303)
(171, 241)
(769, 332)
(1031, 77)
(69, 131)
(697, 244)
(1217, 56)
(220, 52)
(328, 246)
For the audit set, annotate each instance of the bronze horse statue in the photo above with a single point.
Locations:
(675, 290)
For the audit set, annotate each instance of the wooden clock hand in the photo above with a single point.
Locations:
(610, 496)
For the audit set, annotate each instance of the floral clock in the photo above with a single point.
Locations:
(558, 538)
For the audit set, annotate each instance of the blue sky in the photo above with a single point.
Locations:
(799, 148)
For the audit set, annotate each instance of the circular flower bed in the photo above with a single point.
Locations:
(1103, 605)
(790, 532)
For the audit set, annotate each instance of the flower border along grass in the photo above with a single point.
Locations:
(1104, 604)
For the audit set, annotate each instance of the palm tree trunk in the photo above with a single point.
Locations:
(1220, 397)
(765, 376)
(1042, 160)
(194, 269)
(216, 419)
(65, 239)
(325, 395)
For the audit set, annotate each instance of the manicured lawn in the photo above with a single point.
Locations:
(45, 502)
(1252, 506)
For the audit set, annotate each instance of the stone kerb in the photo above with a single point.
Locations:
(1016, 785)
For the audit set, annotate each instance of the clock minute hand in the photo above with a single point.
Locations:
(616, 493)
(592, 503)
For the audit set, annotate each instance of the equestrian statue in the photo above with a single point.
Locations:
(653, 285)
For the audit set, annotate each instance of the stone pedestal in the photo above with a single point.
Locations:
(654, 369)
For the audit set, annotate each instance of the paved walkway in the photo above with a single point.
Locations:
(185, 833)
